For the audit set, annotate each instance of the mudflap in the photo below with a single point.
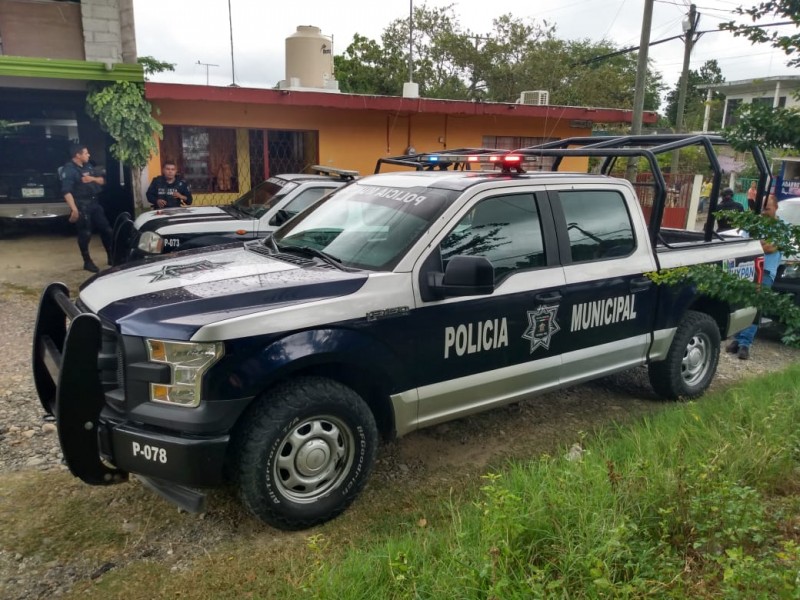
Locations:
(48, 342)
(79, 400)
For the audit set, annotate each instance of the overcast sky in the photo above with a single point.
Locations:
(193, 31)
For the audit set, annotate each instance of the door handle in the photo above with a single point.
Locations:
(549, 297)
(640, 284)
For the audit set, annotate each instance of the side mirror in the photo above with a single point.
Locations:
(464, 276)
(279, 218)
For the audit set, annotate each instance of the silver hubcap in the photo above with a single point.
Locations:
(313, 458)
(696, 359)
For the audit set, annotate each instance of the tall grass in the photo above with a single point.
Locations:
(698, 501)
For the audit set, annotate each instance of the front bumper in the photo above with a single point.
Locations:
(27, 211)
(77, 372)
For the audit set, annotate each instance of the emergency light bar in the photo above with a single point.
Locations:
(505, 161)
(342, 173)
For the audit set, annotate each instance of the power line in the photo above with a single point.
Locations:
(669, 39)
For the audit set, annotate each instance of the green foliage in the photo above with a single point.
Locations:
(695, 502)
(122, 112)
(779, 10)
(516, 55)
(694, 108)
(713, 281)
(766, 126)
(151, 65)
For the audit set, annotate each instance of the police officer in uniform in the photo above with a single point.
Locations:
(81, 188)
(166, 190)
(728, 203)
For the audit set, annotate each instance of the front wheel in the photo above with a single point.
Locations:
(305, 452)
(691, 361)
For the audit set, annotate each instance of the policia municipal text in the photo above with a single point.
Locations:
(81, 189)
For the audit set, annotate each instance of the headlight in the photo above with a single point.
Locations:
(791, 271)
(151, 242)
(188, 362)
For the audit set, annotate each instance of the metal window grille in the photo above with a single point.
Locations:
(222, 163)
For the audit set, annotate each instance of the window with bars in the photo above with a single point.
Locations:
(206, 157)
(217, 161)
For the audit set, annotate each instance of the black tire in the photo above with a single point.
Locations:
(691, 361)
(304, 452)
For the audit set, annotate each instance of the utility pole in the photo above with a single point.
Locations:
(689, 30)
(206, 65)
(641, 83)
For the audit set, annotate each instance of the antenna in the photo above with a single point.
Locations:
(230, 25)
(410, 89)
(206, 65)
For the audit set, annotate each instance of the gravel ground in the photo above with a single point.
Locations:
(446, 452)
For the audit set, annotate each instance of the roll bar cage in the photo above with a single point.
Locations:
(609, 148)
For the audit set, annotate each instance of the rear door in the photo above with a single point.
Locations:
(609, 304)
(479, 351)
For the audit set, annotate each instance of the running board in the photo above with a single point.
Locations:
(186, 498)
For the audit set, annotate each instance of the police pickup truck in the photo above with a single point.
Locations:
(257, 212)
(397, 302)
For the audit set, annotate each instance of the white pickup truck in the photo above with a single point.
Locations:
(399, 301)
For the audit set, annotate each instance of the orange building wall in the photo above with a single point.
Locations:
(355, 140)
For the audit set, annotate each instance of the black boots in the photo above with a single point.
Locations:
(88, 263)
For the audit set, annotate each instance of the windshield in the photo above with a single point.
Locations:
(264, 196)
(366, 226)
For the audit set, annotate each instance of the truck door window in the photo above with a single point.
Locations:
(305, 199)
(598, 223)
(505, 229)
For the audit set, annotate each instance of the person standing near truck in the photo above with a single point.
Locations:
(81, 189)
(167, 190)
(751, 197)
(705, 194)
(740, 345)
(727, 203)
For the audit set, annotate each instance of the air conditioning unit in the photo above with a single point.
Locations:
(538, 97)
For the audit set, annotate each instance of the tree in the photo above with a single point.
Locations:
(694, 111)
(122, 111)
(771, 127)
(515, 55)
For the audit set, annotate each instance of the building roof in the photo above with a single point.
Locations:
(194, 93)
(758, 84)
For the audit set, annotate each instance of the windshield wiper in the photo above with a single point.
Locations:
(328, 258)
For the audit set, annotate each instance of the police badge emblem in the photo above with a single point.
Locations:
(542, 325)
(185, 271)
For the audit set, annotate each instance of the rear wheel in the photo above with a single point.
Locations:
(305, 452)
(691, 361)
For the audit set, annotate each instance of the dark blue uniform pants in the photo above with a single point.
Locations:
(92, 219)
